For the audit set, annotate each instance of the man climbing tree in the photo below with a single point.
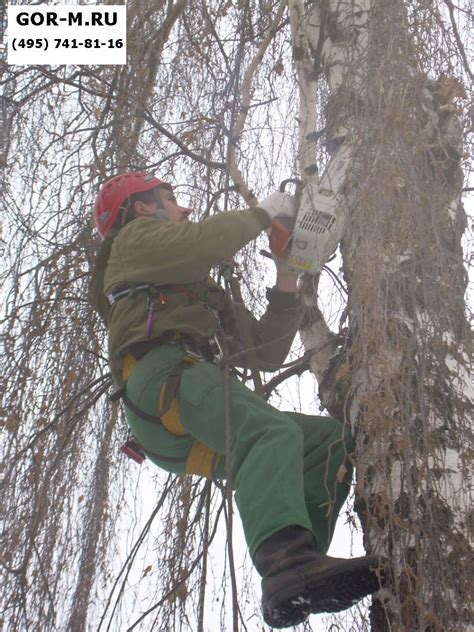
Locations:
(168, 323)
(221, 93)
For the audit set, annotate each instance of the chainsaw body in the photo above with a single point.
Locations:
(320, 220)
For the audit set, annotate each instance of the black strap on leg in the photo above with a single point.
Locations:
(171, 390)
(154, 419)
(118, 393)
(121, 393)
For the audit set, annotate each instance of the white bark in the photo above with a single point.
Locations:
(337, 50)
(308, 100)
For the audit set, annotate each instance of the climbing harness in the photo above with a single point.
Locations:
(201, 459)
(157, 298)
(114, 297)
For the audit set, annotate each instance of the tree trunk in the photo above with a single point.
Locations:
(402, 379)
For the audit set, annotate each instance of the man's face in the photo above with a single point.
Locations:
(174, 212)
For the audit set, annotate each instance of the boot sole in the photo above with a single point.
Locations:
(290, 613)
(331, 591)
(334, 592)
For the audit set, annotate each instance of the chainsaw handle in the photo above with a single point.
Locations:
(296, 181)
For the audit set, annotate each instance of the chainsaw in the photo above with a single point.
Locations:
(308, 241)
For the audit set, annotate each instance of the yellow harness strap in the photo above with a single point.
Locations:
(128, 364)
(202, 460)
(171, 419)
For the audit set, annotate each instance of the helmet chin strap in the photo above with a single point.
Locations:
(160, 213)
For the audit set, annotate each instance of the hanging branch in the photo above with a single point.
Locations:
(459, 42)
(245, 98)
(203, 581)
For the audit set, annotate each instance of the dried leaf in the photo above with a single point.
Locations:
(343, 372)
(451, 88)
(341, 473)
(12, 424)
(147, 570)
(278, 68)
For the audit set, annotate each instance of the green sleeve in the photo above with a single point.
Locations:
(277, 328)
(274, 333)
(150, 250)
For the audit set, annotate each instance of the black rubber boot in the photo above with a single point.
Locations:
(298, 581)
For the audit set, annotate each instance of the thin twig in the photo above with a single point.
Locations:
(457, 37)
(187, 574)
(135, 548)
(202, 588)
(228, 493)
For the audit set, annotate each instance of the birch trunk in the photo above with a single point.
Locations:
(402, 378)
(329, 37)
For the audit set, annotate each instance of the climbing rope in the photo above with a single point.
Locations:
(226, 365)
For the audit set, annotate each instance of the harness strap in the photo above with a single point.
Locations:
(154, 419)
(166, 459)
(131, 290)
(201, 460)
(168, 402)
(114, 297)
(128, 364)
(168, 405)
(170, 387)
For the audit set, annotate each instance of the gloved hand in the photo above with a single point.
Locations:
(281, 208)
(279, 204)
(280, 235)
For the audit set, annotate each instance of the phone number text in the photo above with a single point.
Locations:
(44, 43)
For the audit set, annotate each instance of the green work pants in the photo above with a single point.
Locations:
(287, 468)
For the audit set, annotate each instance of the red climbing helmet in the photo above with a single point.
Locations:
(114, 193)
